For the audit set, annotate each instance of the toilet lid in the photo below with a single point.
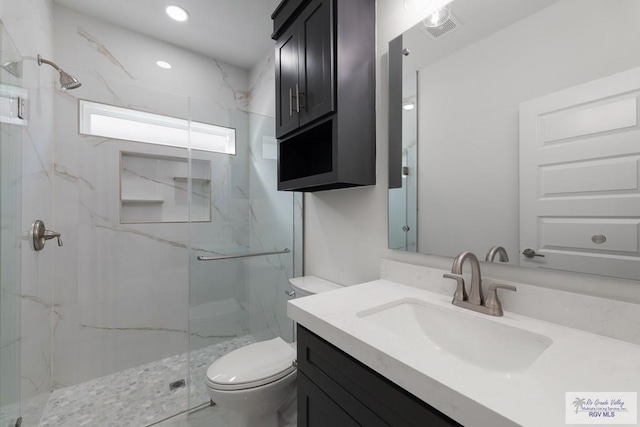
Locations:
(252, 366)
(311, 285)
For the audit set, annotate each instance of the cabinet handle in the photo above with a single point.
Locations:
(297, 99)
(290, 102)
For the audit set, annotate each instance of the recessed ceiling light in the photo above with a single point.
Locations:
(163, 64)
(178, 13)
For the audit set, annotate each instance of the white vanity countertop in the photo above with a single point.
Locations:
(576, 361)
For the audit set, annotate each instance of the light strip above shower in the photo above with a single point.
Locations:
(110, 121)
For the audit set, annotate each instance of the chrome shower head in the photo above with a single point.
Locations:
(67, 81)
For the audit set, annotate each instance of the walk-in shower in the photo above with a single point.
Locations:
(118, 326)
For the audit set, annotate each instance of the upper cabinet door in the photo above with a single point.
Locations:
(287, 82)
(316, 75)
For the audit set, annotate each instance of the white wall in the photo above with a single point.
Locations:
(346, 230)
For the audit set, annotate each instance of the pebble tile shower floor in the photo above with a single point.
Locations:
(139, 396)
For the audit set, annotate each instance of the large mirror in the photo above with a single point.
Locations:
(515, 123)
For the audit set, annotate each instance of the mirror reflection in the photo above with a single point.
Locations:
(523, 117)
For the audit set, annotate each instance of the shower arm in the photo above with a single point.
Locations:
(41, 61)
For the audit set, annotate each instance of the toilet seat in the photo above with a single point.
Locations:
(252, 366)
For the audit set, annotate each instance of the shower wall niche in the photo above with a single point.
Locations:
(155, 188)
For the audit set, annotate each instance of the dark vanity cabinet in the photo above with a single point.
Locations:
(325, 93)
(334, 389)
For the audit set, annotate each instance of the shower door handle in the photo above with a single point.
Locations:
(21, 108)
(249, 255)
(38, 235)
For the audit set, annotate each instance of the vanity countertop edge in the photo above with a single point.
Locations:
(576, 361)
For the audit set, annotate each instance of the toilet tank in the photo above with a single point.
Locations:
(310, 285)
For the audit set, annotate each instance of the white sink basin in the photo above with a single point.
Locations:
(472, 338)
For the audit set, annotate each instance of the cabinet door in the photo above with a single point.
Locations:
(368, 398)
(316, 409)
(287, 66)
(316, 26)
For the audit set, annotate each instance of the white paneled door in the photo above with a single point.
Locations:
(579, 178)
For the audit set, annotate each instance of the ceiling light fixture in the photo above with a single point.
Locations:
(178, 13)
(163, 64)
(437, 18)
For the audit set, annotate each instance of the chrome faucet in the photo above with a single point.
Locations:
(497, 250)
(475, 296)
(475, 301)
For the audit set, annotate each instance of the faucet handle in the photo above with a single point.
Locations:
(461, 291)
(493, 302)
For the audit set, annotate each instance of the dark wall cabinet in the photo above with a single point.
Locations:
(304, 58)
(325, 93)
(334, 389)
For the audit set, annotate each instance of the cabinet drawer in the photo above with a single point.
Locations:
(337, 373)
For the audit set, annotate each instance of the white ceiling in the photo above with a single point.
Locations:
(233, 31)
(478, 20)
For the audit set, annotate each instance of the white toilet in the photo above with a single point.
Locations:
(257, 382)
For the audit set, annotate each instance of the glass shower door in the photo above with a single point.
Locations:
(242, 258)
(11, 95)
(121, 203)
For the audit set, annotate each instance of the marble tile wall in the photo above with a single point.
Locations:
(122, 291)
(29, 22)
